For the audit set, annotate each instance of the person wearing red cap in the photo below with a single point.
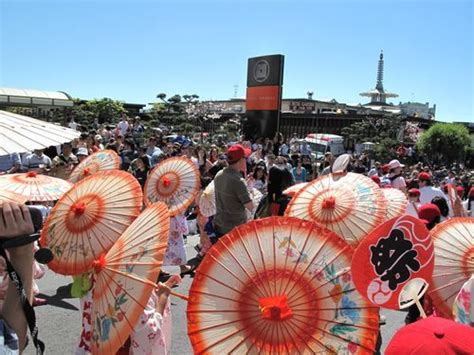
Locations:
(413, 202)
(429, 214)
(460, 191)
(376, 179)
(427, 190)
(232, 196)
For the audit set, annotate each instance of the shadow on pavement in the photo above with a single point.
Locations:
(58, 299)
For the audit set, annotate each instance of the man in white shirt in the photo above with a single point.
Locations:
(427, 191)
(123, 125)
(153, 151)
(38, 161)
(375, 169)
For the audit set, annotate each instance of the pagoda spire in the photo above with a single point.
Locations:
(378, 96)
(379, 85)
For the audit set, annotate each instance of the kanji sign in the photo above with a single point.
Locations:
(396, 252)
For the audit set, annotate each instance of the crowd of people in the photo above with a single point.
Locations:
(267, 165)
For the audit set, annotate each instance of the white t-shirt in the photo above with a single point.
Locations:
(427, 193)
(411, 210)
(123, 126)
(399, 183)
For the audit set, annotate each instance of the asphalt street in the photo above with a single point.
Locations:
(59, 321)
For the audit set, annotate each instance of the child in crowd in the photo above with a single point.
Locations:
(152, 333)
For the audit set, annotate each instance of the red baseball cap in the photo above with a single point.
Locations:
(424, 176)
(414, 192)
(386, 168)
(375, 179)
(428, 212)
(432, 335)
(237, 152)
(460, 190)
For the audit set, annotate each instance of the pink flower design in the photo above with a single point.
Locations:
(465, 297)
(352, 347)
(346, 277)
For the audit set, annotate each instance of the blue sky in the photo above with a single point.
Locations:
(132, 50)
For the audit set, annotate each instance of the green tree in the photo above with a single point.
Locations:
(385, 132)
(445, 143)
(102, 110)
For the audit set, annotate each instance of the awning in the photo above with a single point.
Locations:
(19, 134)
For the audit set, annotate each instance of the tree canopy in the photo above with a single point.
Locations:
(445, 142)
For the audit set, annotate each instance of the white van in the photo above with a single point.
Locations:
(321, 143)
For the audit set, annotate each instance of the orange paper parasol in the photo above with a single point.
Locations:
(256, 197)
(341, 163)
(396, 203)
(125, 278)
(100, 161)
(292, 190)
(174, 181)
(463, 307)
(8, 196)
(454, 261)
(34, 186)
(279, 285)
(89, 219)
(351, 205)
(207, 201)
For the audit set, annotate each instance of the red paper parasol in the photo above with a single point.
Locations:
(397, 252)
(454, 261)
(350, 205)
(292, 190)
(396, 203)
(100, 161)
(433, 336)
(279, 285)
(174, 181)
(35, 187)
(8, 196)
(125, 278)
(89, 219)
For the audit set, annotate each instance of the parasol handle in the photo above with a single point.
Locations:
(414, 294)
(183, 297)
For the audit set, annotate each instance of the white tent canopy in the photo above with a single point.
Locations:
(19, 134)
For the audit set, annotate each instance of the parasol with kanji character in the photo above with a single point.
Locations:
(89, 218)
(175, 181)
(35, 187)
(351, 205)
(454, 261)
(396, 202)
(279, 285)
(99, 161)
(397, 253)
(125, 277)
